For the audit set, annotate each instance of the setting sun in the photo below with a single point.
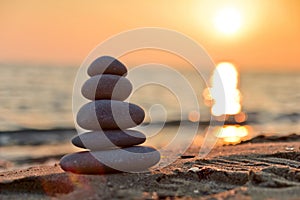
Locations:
(228, 20)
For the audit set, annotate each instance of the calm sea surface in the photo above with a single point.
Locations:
(41, 98)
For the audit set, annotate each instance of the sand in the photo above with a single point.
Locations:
(262, 168)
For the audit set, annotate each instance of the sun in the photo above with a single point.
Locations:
(228, 20)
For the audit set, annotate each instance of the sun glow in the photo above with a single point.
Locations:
(232, 134)
(228, 20)
(225, 78)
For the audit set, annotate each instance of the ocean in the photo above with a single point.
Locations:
(40, 97)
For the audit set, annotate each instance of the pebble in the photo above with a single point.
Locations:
(194, 169)
(289, 148)
(99, 140)
(106, 65)
(106, 87)
(109, 114)
(131, 159)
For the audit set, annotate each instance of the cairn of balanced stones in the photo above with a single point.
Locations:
(110, 145)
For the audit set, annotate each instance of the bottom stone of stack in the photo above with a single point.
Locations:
(131, 159)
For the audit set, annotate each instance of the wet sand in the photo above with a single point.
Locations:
(262, 168)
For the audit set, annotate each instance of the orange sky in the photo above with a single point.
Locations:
(64, 32)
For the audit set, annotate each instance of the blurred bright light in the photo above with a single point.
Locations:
(194, 116)
(232, 134)
(224, 78)
(228, 20)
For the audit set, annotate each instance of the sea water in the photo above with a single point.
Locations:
(40, 97)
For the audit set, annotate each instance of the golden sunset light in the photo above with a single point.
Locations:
(249, 32)
(228, 20)
(224, 78)
(232, 134)
(140, 99)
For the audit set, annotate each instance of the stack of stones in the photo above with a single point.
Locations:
(112, 145)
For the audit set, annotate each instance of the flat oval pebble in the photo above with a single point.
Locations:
(99, 140)
(106, 87)
(131, 159)
(106, 65)
(109, 114)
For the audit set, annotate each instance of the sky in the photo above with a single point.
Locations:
(259, 35)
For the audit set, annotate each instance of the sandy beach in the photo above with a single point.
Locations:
(261, 168)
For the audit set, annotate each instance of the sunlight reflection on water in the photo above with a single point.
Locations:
(229, 107)
(232, 134)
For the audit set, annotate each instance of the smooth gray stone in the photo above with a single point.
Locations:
(131, 159)
(99, 140)
(106, 86)
(106, 65)
(109, 114)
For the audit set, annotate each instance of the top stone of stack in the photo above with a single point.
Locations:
(106, 65)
